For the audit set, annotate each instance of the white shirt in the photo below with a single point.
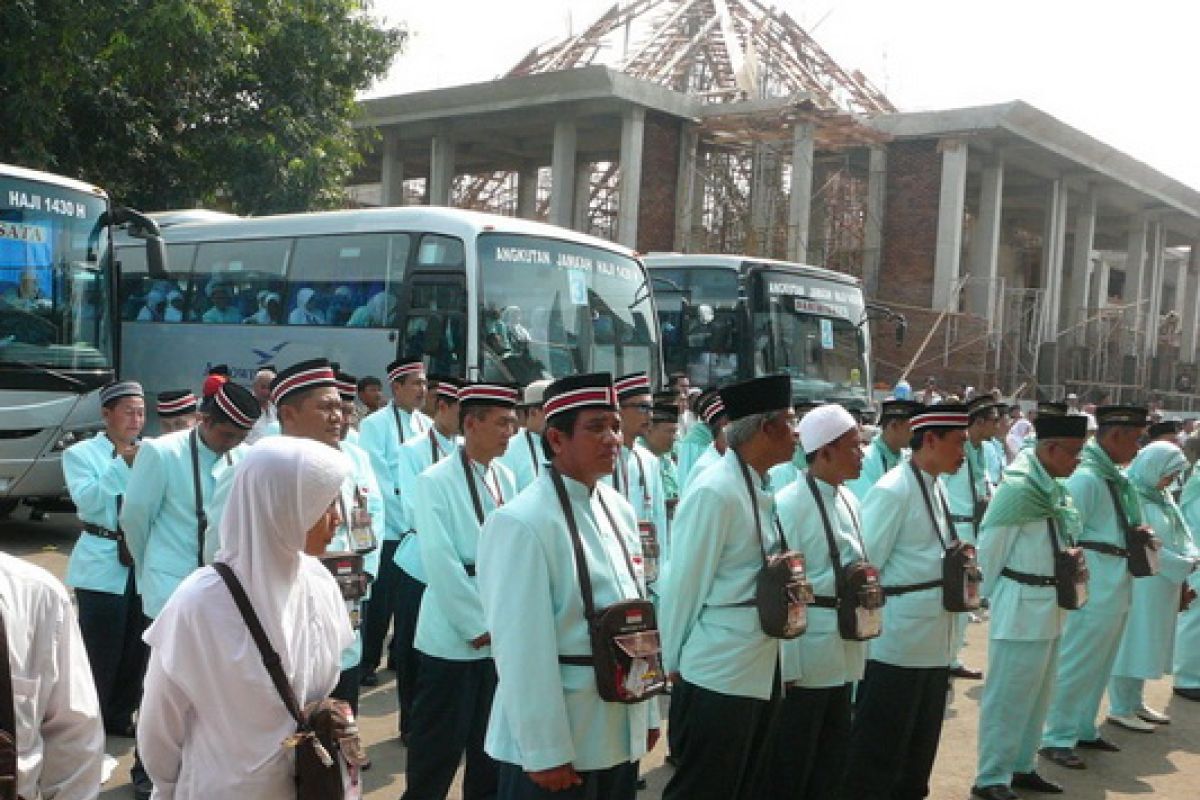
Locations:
(60, 738)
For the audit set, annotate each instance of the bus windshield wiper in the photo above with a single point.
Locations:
(71, 381)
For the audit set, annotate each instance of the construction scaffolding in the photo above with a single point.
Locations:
(759, 74)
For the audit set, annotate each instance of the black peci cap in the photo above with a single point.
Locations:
(1135, 416)
(756, 396)
(1066, 426)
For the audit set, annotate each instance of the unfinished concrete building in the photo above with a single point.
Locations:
(1043, 256)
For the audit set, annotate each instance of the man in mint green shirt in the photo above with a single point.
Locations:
(888, 446)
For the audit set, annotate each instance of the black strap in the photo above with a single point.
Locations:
(974, 494)
(102, 532)
(8, 718)
(937, 529)
(892, 591)
(581, 567)
(824, 601)
(470, 568)
(399, 425)
(533, 456)
(762, 541)
(270, 658)
(434, 450)
(1117, 506)
(1105, 548)
(201, 517)
(1029, 579)
(835, 557)
(469, 474)
(642, 476)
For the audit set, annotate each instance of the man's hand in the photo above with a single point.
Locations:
(480, 642)
(557, 779)
(652, 737)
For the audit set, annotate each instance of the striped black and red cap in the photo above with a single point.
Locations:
(347, 386)
(943, 415)
(579, 392)
(632, 385)
(315, 373)
(175, 403)
(488, 394)
(448, 388)
(236, 403)
(401, 368)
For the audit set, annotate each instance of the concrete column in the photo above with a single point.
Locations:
(1157, 279)
(1098, 286)
(873, 225)
(1134, 293)
(985, 244)
(441, 170)
(1053, 237)
(685, 188)
(633, 135)
(583, 196)
(950, 222)
(1081, 262)
(763, 191)
(562, 173)
(1191, 316)
(391, 182)
(698, 239)
(800, 205)
(527, 186)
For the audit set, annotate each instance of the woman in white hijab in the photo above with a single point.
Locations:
(211, 722)
(153, 310)
(303, 313)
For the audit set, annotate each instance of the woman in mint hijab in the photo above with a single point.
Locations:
(1187, 630)
(1148, 641)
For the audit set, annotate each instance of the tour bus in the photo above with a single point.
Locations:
(474, 295)
(58, 336)
(726, 318)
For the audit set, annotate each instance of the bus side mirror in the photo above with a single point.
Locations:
(156, 256)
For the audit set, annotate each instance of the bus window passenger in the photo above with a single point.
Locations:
(174, 309)
(379, 312)
(153, 310)
(222, 309)
(306, 312)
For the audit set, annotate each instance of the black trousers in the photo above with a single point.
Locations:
(806, 749)
(895, 734)
(382, 607)
(450, 718)
(112, 627)
(347, 687)
(720, 746)
(614, 783)
(409, 592)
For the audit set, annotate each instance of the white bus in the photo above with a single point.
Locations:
(58, 336)
(727, 318)
(474, 295)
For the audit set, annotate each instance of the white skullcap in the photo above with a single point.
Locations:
(823, 425)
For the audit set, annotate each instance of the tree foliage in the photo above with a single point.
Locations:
(242, 104)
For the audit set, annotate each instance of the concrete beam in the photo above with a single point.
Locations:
(562, 173)
(800, 205)
(951, 202)
(1191, 316)
(985, 244)
(441, 170)
(1081, 262)
(873, 225)
(391, 183)
(633, 135)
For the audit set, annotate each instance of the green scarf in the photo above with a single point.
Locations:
(800, 458)
(1093, 459)
(1028, 494)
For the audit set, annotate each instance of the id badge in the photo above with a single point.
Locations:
(361, 534)
(354, 608)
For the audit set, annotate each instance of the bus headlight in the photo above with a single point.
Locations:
(70, 437)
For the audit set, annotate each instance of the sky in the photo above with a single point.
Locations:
(1123, 72)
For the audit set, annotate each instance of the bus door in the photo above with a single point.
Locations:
(433, 326)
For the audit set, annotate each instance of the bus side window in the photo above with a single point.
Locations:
(143, 299)
(233, 281)
(346, 280)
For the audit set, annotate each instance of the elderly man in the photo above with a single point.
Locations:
(724, 665)
(1028, 524)
(1107, 504)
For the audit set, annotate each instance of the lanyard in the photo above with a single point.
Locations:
(399, 424)
(835, 557)
(201, 516)
(470, 474)
(533, 456)
(585, 578)
(762, 541)
(435, 450)
(642, 477)
(937, 530)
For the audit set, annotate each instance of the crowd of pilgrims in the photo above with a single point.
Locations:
(553, 561)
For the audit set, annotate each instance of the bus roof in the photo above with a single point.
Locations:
(453, 221)
(48, 177)
(736, 262)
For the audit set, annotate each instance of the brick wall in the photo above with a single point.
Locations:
(660, 173)
(914, 175)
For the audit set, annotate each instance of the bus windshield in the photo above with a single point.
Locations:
(54, 281)
(809, 328)
(551, 308)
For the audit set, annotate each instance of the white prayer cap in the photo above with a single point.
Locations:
(823, 425)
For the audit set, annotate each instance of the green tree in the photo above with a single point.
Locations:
(241, 104)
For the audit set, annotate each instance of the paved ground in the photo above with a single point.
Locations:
(1165, 764)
